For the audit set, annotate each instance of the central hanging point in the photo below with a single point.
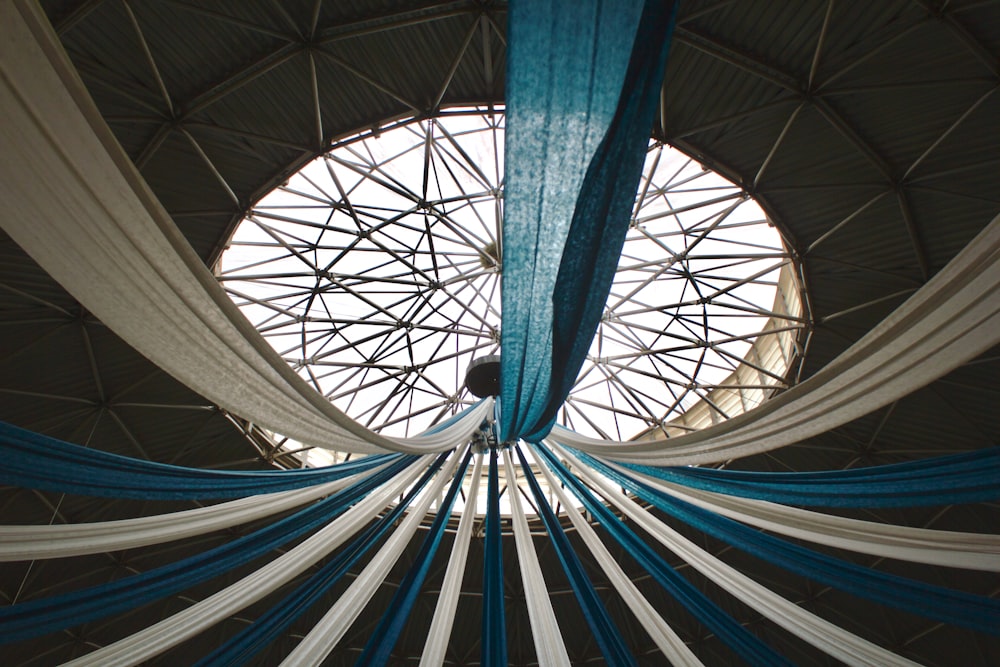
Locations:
(489, 256)
(482, 378)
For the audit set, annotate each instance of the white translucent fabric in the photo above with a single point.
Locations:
(824, 635)
(183, 625)
(950, 320)
(63, 540)
(451, 588)
(672, 646)
(321, 640)
(549, 646)
(78, 206)
(972, 551)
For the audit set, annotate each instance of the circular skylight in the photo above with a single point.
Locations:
(375, 271)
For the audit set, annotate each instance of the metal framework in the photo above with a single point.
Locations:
(375, 271)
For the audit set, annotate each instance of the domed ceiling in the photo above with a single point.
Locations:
(867, 131)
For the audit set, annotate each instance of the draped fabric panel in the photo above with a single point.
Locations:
(317, 644)
(971, 551)
(444, 612)
(549, 646)
(161, 636)
(574, 146)
(977, 612)
(34, 542)
(241, 648)
(37, 461)
(713, 617)
(37, 617)
(124, 259)
(378, 650)
(669, 643)
(606, 633)
(494, 641)
(824, 635)
(968, 477)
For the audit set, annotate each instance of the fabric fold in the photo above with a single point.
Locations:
(583, 82)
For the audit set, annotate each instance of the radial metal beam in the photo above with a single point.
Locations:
(459, 56)
(819, 45)
(149, 58)
(911, 228)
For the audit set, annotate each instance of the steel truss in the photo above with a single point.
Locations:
(375, 272)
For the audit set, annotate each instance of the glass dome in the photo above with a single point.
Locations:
(375, 271)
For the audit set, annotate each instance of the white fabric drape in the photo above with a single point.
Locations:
(75, 202)
(444, 612)
(316, 646)
(972, 551)
(672, 646)
(183, 625)
(549, 646)
(824, 635)
(950, 320)
(63, 540)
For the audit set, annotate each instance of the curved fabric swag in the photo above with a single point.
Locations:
(38, 617)
(977, 612)
(969, 477)
(39, 462)
(124, 259)
(953, 318)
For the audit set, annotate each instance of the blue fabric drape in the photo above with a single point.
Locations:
(379, 647)
(970, 477)
(36, 461)
(494, 642)
(38, 617)
(268, 627)
(976, 612)
(606, 633)
(575, 146)
(719, 622)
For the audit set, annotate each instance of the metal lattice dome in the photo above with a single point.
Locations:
(866, 131)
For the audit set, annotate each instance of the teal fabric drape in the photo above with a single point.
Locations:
(606, 633)
(36, 461)
(38, 617)
(976, 612)
(494, 642)
(969, 477)
(583, 83)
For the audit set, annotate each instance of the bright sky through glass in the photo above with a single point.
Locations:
(375, 272)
